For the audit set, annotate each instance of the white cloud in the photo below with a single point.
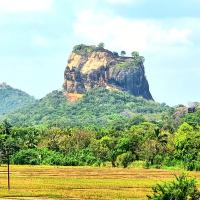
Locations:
(25, 5)
(129, 34)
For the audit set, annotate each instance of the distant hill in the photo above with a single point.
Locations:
(98, 107)
(13, 99)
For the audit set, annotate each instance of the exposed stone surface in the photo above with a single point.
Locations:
(90, 67)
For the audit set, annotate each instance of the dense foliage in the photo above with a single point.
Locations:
(141, 142)
(182, 188)
(85, 50)
(97, 108)
(103, 128)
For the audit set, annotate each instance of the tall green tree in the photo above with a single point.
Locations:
(187, 141)
(136, 56)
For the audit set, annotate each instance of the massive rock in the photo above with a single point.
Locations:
(90, 67)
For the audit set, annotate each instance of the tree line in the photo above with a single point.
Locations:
(140, 143)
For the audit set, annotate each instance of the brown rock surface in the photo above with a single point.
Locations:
(91, 67)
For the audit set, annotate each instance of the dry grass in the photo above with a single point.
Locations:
(45, 182)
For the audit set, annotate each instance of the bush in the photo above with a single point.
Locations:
(146, 164)
(170, 161)
(83, 49)
(124, 159)
(37, 157)
(183, 188)
(27, 157)
(52, 157)
(137, 164)
(70, 160)
(80, 158)
(193, 165)
(158, 161)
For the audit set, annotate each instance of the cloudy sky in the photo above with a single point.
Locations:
(36, 37)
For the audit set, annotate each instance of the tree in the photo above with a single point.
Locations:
(192, 119)
(115, 53)
(125, 159)
(75, 141)
(100, 150)
(123, 53)
(104, 149)
(187, 142)
(27, 137)
(135, 54)
(101, 45)
(154, 148)
(55, 137)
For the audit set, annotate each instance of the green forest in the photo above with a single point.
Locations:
(13, 99)
(103, 128)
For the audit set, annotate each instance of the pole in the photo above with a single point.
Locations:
(8, 172)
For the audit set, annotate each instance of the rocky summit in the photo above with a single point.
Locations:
(91, 67)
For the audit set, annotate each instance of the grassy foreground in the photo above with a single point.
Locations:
(45, 182)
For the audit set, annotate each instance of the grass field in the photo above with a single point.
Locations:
(45, 182)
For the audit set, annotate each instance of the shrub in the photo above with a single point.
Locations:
(183, 188)
(101, 45)
(193, 165)
(158, 161)
(27, 157)
(37, 157)
(124, 159)
(83, 49)
(52, 157)
(70, 160)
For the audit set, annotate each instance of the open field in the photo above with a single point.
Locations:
(45, 182)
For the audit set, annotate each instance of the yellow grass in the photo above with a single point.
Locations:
(45, 182)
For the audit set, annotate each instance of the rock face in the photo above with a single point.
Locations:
(91, 67)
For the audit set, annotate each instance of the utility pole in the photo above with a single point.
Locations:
(7, 132)
(8, 160)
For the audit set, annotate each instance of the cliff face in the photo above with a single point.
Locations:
(91, 67)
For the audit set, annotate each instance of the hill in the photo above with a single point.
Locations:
(98, 107)
(13, 99)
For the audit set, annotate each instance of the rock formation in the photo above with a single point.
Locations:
(91, 67)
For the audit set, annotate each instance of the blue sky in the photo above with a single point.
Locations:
(36, 37)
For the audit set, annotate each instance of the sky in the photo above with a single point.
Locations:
(37, 36)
